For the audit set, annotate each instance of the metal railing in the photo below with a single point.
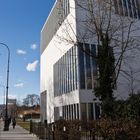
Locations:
(70, 130)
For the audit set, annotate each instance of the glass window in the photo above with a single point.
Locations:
(88, 66)
(76, 61)
(83, 111)
(130, 8)
(68, 4)
(77, 111)
(54, 79)
(90, 111)
(61, 76)
(67, 112)
(97, 110)
(64, 63)
(138, 7)
(94, 65)
(57, 79)
(125, 7)
(94, 62)
(67, 74)
(62, 66)
(69, 107)
(120, 7)
(134, 8)
(68, 58)
(63, 112)
(70, 63)
(116, 7)
(81, 66)
(72, 112)
(56, 113)
(65, 7)
(73, 70)
(73, 67)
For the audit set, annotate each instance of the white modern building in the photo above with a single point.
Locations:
(68, 72)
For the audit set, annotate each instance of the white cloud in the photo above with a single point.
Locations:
(33, 46)
(19, 85)
(32, 66)
(21, 52)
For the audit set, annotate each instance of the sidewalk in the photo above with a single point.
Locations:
(15, 134)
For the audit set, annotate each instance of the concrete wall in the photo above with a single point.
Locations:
(52, 53)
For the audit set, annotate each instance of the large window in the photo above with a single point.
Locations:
(87, 65)
(65, 73)
(64, 8)
(138, 7)
(129, 8)
(69, 112)
(90, 111)
(81, 66)
(97, 110)
(83, 111)
(56, 113)
(76, 68)
(125, 7)
(74, 111)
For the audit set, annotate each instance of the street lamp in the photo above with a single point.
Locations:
(6, 123)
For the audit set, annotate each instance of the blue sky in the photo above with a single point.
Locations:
(20, 24)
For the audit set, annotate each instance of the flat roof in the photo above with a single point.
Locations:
(50, 27)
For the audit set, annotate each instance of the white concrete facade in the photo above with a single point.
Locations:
(55, 49)
(58, 36)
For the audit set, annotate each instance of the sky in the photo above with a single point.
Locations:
(20, 24)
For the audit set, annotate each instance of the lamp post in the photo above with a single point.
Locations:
(6, 123)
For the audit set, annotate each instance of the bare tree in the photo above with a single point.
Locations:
(31, 99)
(132, 77)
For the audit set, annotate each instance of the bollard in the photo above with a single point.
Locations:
(31, 126)
(45, 126)
(53, 129)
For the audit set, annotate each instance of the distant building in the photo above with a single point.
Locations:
(2, 108)
(12, 101)
(11, 107)
(26, 112)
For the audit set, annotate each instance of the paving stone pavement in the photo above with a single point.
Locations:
(15, 134)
